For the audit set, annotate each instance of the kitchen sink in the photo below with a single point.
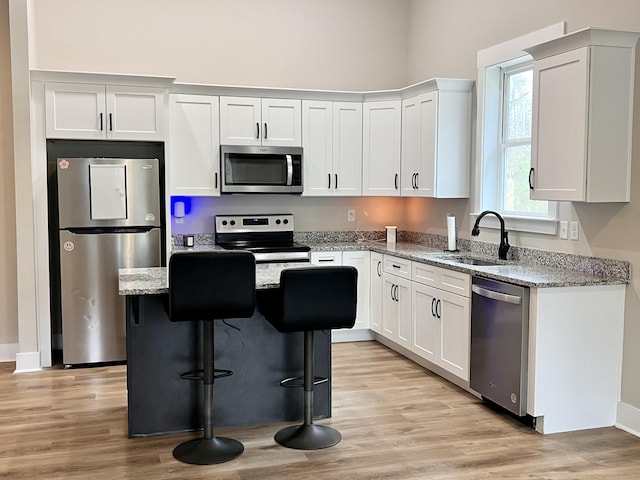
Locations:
(473, 261)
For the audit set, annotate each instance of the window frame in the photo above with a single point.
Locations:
(492, 63)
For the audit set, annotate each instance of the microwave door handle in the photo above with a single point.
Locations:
(289, 170)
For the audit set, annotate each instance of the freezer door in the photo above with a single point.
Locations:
(108, 192)
(93, 313)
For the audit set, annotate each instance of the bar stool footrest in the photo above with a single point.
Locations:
(199, 374)
(299, 381)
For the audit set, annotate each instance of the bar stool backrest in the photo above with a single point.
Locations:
(318, 298)
(211, 285)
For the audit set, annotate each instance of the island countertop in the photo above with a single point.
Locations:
(155, 280)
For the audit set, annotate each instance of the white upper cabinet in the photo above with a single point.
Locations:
(332, 143)
(99, 112)
(194, 145)
(436, 141)
(582, 117)
(381, 133)
(260, 121)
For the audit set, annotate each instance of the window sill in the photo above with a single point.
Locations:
(541, 226)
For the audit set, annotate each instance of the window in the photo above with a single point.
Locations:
(505, 85)
(515, 144)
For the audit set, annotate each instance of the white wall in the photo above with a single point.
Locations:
(321, 44)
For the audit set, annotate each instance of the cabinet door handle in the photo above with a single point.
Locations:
(325, 260)
(417, 177)
(433, 312)
(265, 130)
(111, 122)
(413, 181)
(216, 177)
(336, 175)
(438, 309)
(395, 266)
(391, 291)
(531, 172)
(329, 177)
(378, 269)
(395, 181)
(101, 126)
(257, 130)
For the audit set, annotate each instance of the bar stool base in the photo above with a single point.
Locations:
(207, 451)
(308, 437)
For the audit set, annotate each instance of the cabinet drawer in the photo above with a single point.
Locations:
(326, 258)
(426, 274)
(456, 282)
(397, 266)
(442, 278)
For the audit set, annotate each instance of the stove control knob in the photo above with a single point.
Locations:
(233, 222)
(285, 221)
(278, 222)
(224, 222)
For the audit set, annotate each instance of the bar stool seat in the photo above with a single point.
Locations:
(208, 286)
(309, 299)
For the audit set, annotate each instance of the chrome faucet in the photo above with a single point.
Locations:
(504, 235)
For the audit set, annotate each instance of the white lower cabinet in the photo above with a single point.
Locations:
(360, 259)
(375, 304)
(441, 319)
(396, 313)
(441, 327)
(396, 300)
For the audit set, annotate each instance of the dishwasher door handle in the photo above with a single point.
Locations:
(501, 297)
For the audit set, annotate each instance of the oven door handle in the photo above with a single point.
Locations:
(289, 170)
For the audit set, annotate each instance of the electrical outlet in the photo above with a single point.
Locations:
(564, 229)
(351, 215)
(575, 230)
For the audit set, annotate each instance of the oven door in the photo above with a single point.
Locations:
(248, 169)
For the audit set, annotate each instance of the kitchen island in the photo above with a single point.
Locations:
(159, 350)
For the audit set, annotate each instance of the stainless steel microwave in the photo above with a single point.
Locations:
(255, 169)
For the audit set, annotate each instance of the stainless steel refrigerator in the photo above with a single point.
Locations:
(109, 217)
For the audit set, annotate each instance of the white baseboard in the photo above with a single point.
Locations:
(352, 335)
(628, 418)
(27, 362)
(8, 352)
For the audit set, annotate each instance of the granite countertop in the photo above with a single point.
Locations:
(568, 271)
(155, 280)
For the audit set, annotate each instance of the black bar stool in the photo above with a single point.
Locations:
(210, 286)
(309, 299)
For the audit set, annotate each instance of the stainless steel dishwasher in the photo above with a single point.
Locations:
(499, 343)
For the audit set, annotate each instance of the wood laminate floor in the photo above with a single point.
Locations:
(398, 422)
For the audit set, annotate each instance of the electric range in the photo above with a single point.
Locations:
(269, 237)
